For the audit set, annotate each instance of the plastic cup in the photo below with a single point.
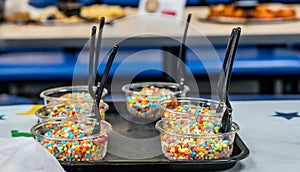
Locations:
(142, 99)
(72, 139)
(208, 113)
(186, 142)
(59, 111)
(74, 94)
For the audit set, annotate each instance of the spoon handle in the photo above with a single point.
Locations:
(98, 46)
(180, 63)
(99, 90)
(106, 71)
(228, 72)
(91, 63)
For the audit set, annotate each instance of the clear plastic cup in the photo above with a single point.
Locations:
(58, 111)
(74, 94)
(186, 142)
(70, 139)
(208, 113)
(142, 99)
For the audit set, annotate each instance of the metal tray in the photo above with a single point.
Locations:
(112, 162)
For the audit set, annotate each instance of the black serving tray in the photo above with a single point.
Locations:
(112, 162)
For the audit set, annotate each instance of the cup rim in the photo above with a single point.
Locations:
(38, 125)
(43, 108)
(192, 99)
(159, 124)
(45, 93)
(126, 88)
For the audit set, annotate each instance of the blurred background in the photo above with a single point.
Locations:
(260, 70)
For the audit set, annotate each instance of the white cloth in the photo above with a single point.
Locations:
(26, 155)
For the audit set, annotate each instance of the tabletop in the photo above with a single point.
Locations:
(270, 129)
(145, 30)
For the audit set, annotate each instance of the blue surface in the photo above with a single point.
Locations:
(44, 3)
(13, 100)
(122, 3)
(42, 66)
(252, 61)
(249, 61)
(32, 72)
(33, 64)
(217, 1)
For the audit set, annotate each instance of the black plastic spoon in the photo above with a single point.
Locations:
(224, 71)
(99, 90)
(106, 72)
(180, 65)
(224, 80)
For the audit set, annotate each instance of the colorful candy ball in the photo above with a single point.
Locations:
(76, 94)
(208, 113)
(68, 110)
(190, 142)
(73, 140)
(143, 98)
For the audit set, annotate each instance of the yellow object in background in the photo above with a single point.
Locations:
(97, 11)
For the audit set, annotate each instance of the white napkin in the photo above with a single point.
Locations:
(25, 154)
